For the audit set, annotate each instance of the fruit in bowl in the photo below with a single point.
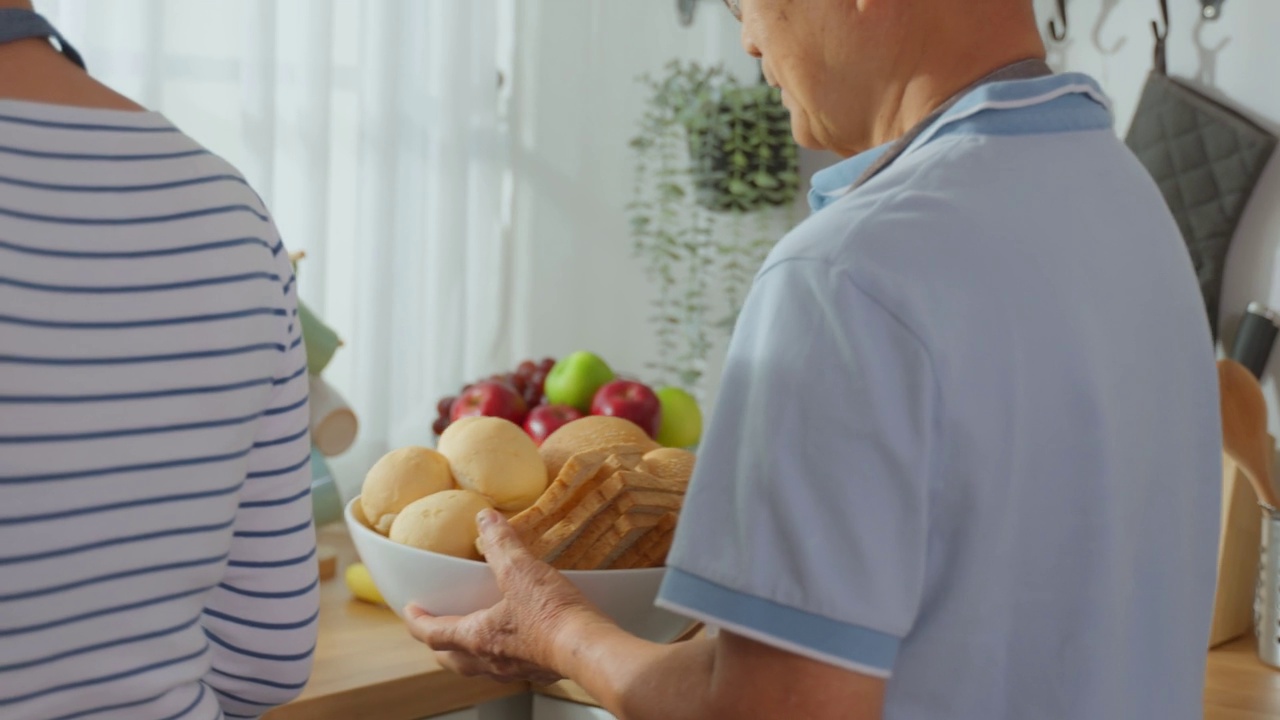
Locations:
(630, 400)
(599, 500)
(525, 384)
(546, 419)
(575, 379)
(490, 398)
(681, 423)
(544, 395)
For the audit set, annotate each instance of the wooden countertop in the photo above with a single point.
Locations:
(367, 666)
(1238, 686)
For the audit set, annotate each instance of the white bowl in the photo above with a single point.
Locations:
(444, 585)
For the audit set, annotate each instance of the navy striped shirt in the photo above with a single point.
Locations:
(157, 553)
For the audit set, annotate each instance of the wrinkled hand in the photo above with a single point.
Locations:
(515, 640)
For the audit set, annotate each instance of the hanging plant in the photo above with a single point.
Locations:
(743, 154)
(716, 183)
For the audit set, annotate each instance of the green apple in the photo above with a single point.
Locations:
(574, 380)
(681, 425)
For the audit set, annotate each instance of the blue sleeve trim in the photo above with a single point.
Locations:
(851, 647)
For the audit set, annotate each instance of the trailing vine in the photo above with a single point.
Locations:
(715, 184)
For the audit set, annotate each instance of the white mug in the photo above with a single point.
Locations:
(333, 423)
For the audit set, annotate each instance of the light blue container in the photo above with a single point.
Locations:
(326, 502)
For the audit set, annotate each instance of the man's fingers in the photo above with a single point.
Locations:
(461, 663)
(545, 678)
(503, 548)
(437, 633)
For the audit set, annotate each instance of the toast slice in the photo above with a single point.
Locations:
(581, 474)
(651, 549)
(628, 505)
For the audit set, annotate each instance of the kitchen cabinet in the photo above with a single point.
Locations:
(518, 707)
(549, 708)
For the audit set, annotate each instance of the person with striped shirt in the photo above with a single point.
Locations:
(157, 547)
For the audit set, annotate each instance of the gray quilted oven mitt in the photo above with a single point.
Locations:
(1207, 159)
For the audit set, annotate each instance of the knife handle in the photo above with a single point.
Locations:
(1255, 338)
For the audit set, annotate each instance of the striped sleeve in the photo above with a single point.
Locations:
(261, 619)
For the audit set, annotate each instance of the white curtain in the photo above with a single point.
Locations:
(377, 132)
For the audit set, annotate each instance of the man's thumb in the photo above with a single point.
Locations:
(498, 541)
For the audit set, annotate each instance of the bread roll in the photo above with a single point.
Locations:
(669, 463)
(399, 478)
(444, 522)
(594, 432)
(497, 459)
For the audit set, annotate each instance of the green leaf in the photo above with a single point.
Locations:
(765, 180)
(671, 191)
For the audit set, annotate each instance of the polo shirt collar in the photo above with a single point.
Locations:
(834, 182)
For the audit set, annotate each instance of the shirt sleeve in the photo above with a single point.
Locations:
(261, 620)
(806, 522)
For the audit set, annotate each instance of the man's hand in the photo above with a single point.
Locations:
(543, 629)
(519, 638)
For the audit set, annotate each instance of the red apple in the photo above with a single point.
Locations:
(491, 398)
(546, 419)
(629, 400)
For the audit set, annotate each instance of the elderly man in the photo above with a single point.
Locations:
(964, 460)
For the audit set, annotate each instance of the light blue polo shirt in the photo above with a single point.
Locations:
(968, 435)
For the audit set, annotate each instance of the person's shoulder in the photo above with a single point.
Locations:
(875, 227)
(188, 202)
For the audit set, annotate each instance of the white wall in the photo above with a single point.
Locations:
(577, 106)
(1234, 59)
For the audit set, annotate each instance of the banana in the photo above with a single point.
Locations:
(360, 583)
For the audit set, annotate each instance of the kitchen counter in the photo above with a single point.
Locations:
(1238, 686)
(367, 666)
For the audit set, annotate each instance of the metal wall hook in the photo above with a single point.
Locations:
(1161, 36)
(1211, 9)
(686, 9)
(1054, 31)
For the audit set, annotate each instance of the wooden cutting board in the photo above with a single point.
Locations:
(1238, 554)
